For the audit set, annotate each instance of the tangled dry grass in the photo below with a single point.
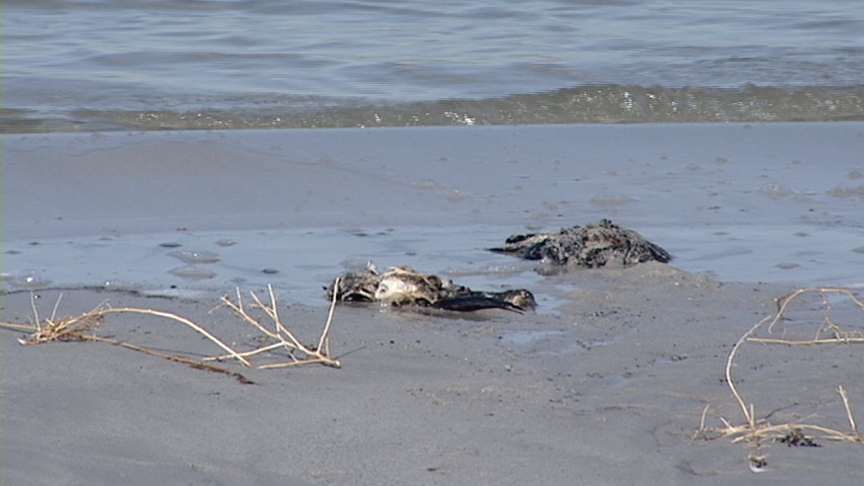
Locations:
(755, 431)
(276, 335)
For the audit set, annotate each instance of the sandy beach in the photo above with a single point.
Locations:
(604, 385)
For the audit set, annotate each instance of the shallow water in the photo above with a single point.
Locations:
(145, 262)
(95, 65)
(208, 212)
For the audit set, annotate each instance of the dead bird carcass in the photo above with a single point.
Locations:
(592, 246)
(404, 286)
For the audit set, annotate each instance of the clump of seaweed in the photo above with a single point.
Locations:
(755, 431)
(84, 328)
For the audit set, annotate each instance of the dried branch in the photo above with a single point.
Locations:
(754, 431)
(84, 326)
(285, 338)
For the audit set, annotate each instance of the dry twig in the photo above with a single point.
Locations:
(83, 328)
(753, 431)
(284, 338)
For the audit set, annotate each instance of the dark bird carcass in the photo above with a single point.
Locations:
(404, 286)
(592, 246)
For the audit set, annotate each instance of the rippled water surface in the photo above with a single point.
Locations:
(79, 65)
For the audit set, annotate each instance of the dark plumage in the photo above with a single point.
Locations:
(404, 286)
(591, 246)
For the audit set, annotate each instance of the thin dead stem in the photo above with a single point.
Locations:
(183, 320)
(285, 338)
(36, 320)
(849, 416)
(754, 431)
(83, 328)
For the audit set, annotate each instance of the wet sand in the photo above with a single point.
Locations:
(604, 385)
(609, 392)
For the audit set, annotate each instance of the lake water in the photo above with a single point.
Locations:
(82, 65)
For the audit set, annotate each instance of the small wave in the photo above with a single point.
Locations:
(584, 104)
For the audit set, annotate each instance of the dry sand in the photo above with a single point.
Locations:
(604, 386)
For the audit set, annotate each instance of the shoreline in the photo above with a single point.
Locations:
(744, 202)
